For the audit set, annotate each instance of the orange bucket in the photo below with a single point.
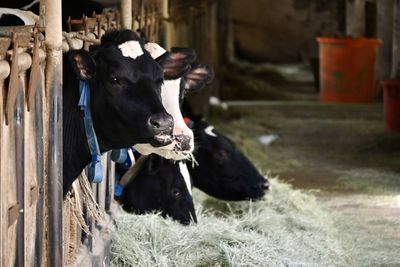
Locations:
(391, 104)
(347, 69)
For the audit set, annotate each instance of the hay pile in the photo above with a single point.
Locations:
(287, 228)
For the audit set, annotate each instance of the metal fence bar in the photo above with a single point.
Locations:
(126, 14)
(18, 120)
(40, 224)
(54, 150)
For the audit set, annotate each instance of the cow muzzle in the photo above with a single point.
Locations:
(183, 143)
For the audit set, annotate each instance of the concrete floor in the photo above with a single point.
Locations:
(340, 153)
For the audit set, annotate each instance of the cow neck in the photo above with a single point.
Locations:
(95, 173)
(76, 153)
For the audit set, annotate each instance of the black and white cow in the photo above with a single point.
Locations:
(171, 93)
(164, 185)
(234, 177)
(223, 171)
(126, 105)
(159, 186)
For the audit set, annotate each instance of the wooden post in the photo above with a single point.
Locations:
(165, 26)
(4, 72)
(126, 14)
(54, 127)
(385, 33)
(395, 73)
(355, 18)
(203, 33)
(226, 45)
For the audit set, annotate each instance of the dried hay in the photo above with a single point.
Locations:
(79, 198)
(286, 228)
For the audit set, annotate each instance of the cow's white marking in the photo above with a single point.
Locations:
(209, 131)
(185, 173)
(154, 50)
(131, 49)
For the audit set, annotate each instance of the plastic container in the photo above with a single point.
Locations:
(347, 69)
(391, 104)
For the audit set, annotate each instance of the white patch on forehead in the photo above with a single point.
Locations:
(209, 131)
(185, 173)
(131, 49)
(154, 50)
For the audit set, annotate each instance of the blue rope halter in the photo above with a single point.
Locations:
(95, 174)
(126, 158)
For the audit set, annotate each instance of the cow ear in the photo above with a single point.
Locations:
(177, 62)
(83, 64)
(198, 76)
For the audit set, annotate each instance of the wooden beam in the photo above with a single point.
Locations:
(166, 29)
(395, 73)
(385, 33)
(126, 14)
(355, 18)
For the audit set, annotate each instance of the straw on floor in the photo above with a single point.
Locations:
(287, 228)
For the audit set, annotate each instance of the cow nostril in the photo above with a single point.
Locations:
(155, 124)
(184, 142)
(161, 123)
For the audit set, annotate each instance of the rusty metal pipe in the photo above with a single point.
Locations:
(126, 14)
(54, 128)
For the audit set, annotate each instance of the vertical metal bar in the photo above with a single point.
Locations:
(18, 120)
(4, 72)
(126, 13)
(110, 183)
(39, 241)
(54, 145)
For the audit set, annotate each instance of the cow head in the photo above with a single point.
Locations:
(125, 86)
(224, 171)
(159, 185)
(175, 64)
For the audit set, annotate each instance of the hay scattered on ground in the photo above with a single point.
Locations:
(369, 227)
(286, 228)
(371, 181)
(372, 240)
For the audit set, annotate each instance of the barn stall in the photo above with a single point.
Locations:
(38, 228)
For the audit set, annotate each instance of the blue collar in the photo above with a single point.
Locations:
(95, 174)
(125, 158)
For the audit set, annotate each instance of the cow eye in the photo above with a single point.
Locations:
(114, 80)
(221, 156)
(176, 193)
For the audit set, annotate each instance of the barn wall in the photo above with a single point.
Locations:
(285, 30)
(195, 24)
